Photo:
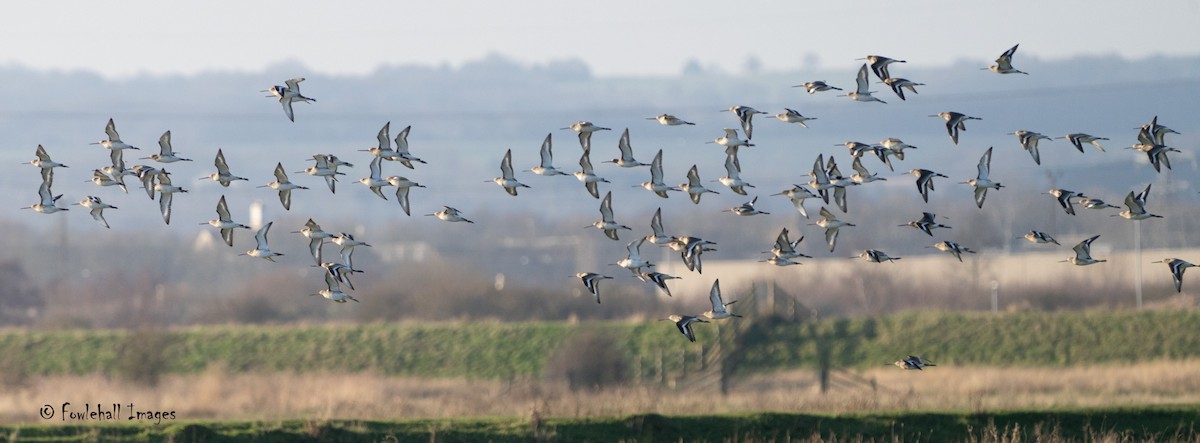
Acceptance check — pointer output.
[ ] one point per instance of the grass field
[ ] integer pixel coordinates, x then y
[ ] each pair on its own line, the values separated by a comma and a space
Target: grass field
1155, 424
515, 350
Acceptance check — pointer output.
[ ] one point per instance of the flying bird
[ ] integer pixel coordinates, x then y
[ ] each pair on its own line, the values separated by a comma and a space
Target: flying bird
816, 86
591, 280
585, 130
96, 208
1177, 267
720, 309
684, 323
284, 186
669, 120
862, 94
262, 250
1004, 63
606, 222
745, 115
224, 223
693, 186
924, 181
222, 176
506, 179
955, 122
656, 184
1083, 253
546, 167
981, 182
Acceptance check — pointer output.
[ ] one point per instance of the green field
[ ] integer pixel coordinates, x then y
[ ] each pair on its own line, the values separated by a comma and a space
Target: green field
1157, 424
507, 350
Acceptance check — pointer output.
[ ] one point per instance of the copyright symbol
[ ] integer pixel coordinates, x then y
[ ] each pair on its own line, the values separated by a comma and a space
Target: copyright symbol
47, 412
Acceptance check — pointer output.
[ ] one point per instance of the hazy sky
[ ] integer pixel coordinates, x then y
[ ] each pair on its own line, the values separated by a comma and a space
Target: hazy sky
619, 37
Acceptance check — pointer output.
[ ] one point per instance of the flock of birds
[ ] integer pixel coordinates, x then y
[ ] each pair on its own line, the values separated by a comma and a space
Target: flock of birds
827, 181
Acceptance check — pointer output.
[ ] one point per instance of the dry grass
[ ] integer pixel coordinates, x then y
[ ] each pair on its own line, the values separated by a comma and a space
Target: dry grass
217, 394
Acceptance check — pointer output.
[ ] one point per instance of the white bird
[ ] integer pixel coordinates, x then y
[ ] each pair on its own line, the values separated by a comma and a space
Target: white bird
46, 197
384, 148
316, 238
1004, 63
348, 243
507, 180
953, 248
324, 167
832, 226
634, 262
403, 185
165, 153
747, 209
730, 139
262, 250
780, 261
793, 116
875, 256
656, 184
1078, 139
924, 181
896, 148
926, 224
591, 280
626, 160
376, 182
44, 162
684, 324
1095, 203
797, 194
669, 120
693, 186
785, 248
1083, 253
546, 167
745, 115
816, 86
585, 130
659, 279
658, 236
113, 142
861, 174
1137, 206
224, 222
333, 291
861, 94
732, 177
1177, 267
720, 309
450, 215
1040, 237
222, 176
981, 182
955, 122
166, 193
587, 175
402, 154
102, 179
606, 222
820, 178
284, 186
96, 207
289, 94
